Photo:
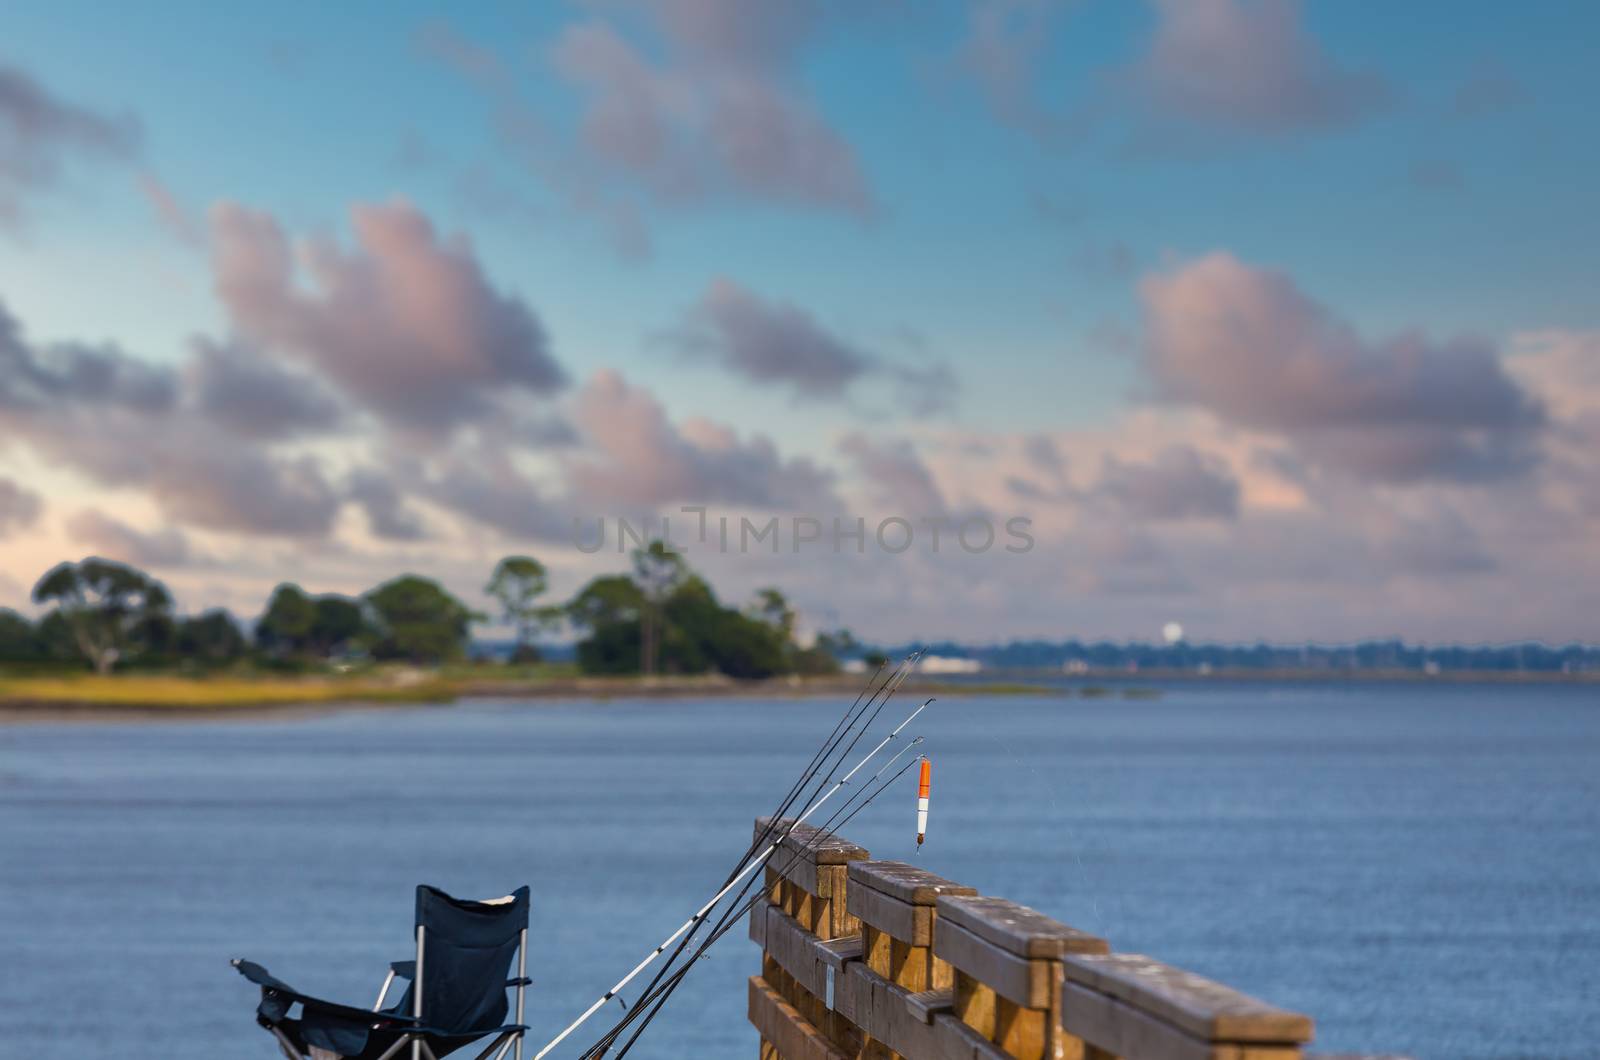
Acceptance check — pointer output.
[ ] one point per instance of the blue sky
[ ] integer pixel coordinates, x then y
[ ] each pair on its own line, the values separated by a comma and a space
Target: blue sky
973, 200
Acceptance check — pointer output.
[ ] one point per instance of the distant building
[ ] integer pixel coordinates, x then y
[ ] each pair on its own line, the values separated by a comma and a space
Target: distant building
948, 664
1075, 666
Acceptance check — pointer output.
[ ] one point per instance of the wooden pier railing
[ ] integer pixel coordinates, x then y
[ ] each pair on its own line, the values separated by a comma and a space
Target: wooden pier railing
879, 960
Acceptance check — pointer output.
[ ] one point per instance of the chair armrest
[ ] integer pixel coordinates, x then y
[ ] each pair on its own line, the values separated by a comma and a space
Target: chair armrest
524, 981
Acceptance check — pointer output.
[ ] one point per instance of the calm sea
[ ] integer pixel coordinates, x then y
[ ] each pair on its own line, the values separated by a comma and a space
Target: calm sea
1416, 866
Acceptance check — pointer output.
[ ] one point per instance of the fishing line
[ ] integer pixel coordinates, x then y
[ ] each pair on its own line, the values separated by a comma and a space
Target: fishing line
750, 867
657, 999
733, 909
845, 724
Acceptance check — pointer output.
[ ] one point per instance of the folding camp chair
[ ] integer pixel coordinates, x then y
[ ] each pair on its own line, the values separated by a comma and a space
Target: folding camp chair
457, 994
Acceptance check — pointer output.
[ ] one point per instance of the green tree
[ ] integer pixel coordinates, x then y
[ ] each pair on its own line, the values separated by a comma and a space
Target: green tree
658, 571
211, 636
607, 600
772, 608
338, 624
418, 620
103, 604
517, 582
285, 628
19, 641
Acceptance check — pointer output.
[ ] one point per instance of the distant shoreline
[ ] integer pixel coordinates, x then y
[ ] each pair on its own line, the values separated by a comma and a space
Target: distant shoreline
145, 698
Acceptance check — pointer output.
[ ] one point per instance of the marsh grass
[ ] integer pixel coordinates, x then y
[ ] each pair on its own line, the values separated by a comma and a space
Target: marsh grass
216, 692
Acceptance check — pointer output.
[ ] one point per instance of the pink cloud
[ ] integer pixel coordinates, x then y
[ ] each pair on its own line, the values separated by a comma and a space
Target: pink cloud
1247, 66
406, 323
1249, 346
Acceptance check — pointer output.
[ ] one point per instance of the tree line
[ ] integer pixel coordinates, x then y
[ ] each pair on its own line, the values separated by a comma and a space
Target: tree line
658, 617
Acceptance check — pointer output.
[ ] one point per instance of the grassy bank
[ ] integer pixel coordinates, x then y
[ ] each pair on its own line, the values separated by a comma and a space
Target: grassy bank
172, 692
51, 693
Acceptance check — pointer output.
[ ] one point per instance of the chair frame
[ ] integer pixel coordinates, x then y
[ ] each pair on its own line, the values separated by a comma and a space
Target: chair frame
417, 1039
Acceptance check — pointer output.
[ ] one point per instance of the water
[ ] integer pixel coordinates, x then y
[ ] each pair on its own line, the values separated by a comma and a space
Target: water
1416, 866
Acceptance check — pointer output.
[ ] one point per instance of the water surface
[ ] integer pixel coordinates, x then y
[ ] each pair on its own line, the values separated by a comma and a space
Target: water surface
1416, 866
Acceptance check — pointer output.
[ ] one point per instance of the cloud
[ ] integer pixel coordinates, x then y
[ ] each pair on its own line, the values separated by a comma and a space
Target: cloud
1002, 49
406, 324
19, 507
1247, 345
124, 423
75, 372
387, 515
1246, 67
39, 133
637, 457
712, 106
770, 342
896, 475
778, 343
246, 394
1180, 483
114, 539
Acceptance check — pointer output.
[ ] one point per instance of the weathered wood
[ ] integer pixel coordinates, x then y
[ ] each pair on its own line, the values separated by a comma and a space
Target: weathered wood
896, 1020
1200, 1006
902, 920
1123, 1030
1026, 982
905, 882
1016, 928
797, 951
781, 1024
957, 1041
757, 924
924, 1004
816, 846
835, 952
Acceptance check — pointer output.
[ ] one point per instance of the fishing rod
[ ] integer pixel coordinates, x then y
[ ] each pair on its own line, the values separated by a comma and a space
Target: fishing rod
734, 911
846, 723
657, 1000
749, 868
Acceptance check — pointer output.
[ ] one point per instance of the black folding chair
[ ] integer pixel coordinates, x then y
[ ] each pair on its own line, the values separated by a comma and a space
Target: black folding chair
457, 994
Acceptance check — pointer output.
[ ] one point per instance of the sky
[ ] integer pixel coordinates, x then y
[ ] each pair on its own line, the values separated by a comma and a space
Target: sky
1274, 319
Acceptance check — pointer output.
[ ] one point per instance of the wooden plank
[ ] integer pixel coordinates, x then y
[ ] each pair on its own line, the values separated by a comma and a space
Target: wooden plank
796, 951
1023, 981
954, 1040
1204, 1008
925, 1003
812, 843
1016, 928
896, 918
1123, 1030
905, 882
836, 952
886, 1012
758, 923
782, 1025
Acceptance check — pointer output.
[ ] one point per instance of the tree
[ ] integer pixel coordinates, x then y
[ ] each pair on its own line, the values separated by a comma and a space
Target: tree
771, 607
211, 636
337, 624
19, 641
517, 582
103, 604
418, 620
657, 570
285, 629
